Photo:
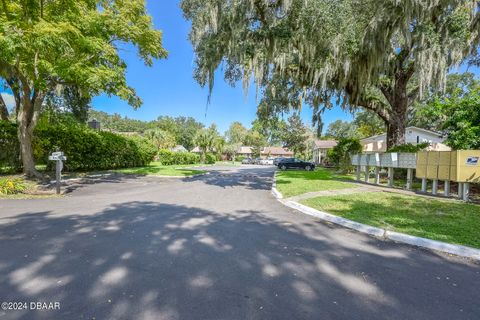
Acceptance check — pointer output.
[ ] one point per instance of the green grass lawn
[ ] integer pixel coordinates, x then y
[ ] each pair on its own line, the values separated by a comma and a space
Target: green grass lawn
443, 220
157, 169
294, 182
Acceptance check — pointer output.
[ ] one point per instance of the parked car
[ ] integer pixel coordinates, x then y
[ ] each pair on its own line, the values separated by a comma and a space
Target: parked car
257, 161
247, 161
277, 160
294, 163
268, 161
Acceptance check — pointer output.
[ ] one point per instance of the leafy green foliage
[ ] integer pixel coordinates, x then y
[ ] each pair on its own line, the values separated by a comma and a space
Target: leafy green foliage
377, 55
46, 45
294, 136
409, 147
160, 138
340, 129
9, 147
87, 149
341, 154
12, 185
167, 157
210, 158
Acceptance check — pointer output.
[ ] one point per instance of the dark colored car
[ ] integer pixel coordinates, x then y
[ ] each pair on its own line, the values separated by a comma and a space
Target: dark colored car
276, 161
294, 163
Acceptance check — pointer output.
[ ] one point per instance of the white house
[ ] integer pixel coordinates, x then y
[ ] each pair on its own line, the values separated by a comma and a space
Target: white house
413, 135
320, 149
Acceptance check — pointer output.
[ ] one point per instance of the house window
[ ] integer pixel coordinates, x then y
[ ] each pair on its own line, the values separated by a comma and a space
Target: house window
418, 139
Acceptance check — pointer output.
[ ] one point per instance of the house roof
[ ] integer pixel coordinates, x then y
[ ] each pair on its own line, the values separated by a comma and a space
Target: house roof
277, 150
406, 129
196, 150
245, 150
179, 148
325, 144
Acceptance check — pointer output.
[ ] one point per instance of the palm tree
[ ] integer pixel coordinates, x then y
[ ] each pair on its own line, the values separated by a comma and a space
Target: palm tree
160, 138
205, 141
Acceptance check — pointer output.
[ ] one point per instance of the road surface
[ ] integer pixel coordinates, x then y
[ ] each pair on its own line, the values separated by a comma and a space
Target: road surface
217, 246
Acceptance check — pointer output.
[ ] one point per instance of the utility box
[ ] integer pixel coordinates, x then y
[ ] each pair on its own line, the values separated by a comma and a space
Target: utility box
374, 160
465, 166
433, 159
444, 161
407, 160
421, 169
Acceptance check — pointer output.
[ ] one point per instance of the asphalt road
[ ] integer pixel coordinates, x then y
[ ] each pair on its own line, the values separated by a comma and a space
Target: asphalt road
213, 247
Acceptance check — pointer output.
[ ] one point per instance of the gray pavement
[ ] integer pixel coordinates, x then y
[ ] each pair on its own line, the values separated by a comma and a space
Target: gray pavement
217, 246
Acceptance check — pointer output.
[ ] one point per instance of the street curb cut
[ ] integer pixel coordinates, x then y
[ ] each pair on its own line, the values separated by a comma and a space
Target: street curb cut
275, 192
458, 250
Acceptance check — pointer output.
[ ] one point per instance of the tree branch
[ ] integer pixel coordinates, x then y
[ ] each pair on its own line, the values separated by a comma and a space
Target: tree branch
3, 109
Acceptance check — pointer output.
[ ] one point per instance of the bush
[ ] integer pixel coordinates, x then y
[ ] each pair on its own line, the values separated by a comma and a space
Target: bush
11, 185
210, 158
167, 157
409, 147
10, 148
341, 154
240, 158
87, 149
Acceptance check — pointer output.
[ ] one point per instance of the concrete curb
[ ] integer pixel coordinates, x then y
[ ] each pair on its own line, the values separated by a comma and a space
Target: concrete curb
458, 250
277, 194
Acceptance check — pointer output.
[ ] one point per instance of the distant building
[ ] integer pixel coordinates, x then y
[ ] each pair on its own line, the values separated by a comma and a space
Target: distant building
245, 151
276, 152
196, 150
320, 149
179, 148
94, 124
413, 135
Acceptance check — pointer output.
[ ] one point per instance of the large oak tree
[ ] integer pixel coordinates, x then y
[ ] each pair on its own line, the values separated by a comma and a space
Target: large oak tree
49, 44
379, 55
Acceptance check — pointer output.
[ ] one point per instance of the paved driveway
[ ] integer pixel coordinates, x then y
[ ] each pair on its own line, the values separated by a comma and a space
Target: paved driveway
213, 247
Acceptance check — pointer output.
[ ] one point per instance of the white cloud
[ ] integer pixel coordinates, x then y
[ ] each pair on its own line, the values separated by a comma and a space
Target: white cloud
9, 100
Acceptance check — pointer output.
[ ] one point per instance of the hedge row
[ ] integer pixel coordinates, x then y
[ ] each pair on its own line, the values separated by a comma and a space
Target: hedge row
9, 147
85, 149
167, 157
88, 149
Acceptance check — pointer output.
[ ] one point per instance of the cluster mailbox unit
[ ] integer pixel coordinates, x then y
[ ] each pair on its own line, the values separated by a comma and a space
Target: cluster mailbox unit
461, 166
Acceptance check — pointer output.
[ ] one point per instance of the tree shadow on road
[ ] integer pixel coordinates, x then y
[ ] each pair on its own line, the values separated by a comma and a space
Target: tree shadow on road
147, 260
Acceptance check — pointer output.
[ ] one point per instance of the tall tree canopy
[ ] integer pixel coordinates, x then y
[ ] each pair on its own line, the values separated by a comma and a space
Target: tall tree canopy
45, 45
376, 54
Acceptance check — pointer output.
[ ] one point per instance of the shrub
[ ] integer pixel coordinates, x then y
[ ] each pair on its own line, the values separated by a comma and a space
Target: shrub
167, 157
11, 185
239, 158
87, 149
341, 154
210, 158
409, 147
9, 148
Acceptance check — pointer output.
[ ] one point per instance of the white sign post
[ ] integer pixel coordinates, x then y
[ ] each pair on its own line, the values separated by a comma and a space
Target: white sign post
58, 157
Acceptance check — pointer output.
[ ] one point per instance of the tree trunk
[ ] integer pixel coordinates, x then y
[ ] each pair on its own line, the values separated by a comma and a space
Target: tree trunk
27, 119
3, 109
398, 99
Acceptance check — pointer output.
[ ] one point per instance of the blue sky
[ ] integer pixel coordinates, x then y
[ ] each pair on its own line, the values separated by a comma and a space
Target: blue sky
168, 88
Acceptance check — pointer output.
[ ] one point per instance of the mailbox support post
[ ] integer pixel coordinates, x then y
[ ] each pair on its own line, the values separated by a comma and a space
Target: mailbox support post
446, 190
409, 178
58, 175
390, 177
377, 175
358, 172
367, 173
435, 187
460, 190
466, 191
424, 184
